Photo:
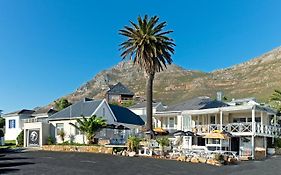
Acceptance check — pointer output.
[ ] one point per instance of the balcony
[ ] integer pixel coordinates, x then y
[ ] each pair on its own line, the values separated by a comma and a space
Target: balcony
240, 129
34, 120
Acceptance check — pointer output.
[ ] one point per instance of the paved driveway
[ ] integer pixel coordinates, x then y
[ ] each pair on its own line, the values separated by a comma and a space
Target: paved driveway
42, 162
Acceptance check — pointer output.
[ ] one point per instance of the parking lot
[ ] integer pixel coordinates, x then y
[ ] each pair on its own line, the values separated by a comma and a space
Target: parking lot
43, 162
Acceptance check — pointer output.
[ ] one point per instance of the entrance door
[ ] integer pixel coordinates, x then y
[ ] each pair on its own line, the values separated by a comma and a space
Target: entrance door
235, 144
33, 139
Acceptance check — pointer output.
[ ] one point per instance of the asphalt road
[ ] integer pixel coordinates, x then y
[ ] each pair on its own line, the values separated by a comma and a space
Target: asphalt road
42, 162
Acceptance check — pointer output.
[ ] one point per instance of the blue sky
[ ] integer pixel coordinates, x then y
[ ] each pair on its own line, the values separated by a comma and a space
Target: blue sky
49, 48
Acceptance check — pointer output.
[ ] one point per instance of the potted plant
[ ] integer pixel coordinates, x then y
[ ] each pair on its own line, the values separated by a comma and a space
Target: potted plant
62, 135
163, 141
133, 145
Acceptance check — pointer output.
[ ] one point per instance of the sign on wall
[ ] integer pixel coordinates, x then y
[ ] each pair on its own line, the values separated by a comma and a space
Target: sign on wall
33, 137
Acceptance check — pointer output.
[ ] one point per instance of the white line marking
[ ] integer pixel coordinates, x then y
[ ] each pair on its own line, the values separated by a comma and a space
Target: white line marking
87, 161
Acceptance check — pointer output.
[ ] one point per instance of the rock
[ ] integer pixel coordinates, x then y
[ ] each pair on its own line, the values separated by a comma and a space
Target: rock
181, 158
194, 160
188, 159
210, 161
217, 163
202, 160
232, 161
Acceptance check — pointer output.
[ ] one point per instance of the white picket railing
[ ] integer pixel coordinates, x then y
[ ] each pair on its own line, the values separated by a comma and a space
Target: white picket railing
236, 128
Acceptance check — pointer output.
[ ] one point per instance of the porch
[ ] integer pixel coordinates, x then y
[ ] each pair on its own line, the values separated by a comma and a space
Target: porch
240, 129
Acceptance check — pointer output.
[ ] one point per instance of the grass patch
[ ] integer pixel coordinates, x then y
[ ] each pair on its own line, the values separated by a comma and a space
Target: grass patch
9, 144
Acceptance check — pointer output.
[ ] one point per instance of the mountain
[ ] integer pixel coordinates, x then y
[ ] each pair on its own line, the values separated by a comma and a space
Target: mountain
257, 77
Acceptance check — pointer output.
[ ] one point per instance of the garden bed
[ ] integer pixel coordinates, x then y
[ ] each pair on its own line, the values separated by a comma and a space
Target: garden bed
75, 148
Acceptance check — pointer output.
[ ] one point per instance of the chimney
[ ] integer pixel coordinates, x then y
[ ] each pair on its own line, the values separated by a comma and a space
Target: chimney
219, 96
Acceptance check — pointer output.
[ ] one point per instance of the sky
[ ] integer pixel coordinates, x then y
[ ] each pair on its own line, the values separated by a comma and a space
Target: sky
50, 48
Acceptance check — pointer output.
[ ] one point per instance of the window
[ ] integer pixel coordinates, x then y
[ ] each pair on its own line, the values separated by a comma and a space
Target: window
59, 127
12, 123
239, 120
77, 131
171, 122
213, 119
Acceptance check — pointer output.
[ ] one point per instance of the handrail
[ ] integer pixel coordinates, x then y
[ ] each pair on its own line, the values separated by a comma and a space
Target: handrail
245, 127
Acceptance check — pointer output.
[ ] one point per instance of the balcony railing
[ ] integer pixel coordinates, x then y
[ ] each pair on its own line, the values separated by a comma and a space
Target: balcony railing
33, 120
239, 128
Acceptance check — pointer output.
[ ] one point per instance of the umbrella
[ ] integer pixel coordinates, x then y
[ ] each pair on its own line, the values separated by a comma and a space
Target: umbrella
215, 135
160, 131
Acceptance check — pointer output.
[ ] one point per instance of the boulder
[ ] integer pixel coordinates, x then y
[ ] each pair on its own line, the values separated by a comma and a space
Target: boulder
181, 158
202, 160
232, 161
210, 161
194, 160
188, 159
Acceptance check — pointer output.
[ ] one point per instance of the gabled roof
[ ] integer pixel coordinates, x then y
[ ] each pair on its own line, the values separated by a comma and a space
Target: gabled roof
124, 115
45, 110
119, 89
143, 105
196, 104
23, 111
85, 107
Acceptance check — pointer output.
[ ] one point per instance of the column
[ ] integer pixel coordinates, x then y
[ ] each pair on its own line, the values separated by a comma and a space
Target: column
253, 131
261, 122
221, 120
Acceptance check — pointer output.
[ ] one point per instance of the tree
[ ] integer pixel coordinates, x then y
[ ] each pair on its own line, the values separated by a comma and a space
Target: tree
275, 100
2, 122
150, 48
61, 104
90, 126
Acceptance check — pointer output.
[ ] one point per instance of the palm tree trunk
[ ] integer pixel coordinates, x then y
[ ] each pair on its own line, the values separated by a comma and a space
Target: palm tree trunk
149, 97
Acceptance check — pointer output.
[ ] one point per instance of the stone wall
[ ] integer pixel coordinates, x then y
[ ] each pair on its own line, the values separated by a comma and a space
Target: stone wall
72, 148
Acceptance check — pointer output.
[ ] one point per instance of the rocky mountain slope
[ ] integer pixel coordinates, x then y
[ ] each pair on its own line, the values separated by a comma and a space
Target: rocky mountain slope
257, 77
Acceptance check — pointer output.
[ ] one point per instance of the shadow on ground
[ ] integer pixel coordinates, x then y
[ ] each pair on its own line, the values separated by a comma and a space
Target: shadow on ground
9, 164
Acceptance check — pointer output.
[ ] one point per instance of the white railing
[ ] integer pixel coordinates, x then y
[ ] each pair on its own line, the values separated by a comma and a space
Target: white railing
239, 128
33, 120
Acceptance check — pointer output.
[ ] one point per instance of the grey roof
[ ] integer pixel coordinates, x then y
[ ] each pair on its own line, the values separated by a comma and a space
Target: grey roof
267, 109
197, 104
143, 105
242, 100
23, 111
119, 89
45, 110
85, 107
124, 115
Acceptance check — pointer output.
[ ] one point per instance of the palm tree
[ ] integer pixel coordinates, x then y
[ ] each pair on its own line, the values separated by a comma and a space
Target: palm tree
276, 99
150, 48
90, 126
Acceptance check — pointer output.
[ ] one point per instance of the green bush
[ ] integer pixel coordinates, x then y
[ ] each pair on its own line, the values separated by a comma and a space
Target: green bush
133, 143
277, 142
50, 141
20, 139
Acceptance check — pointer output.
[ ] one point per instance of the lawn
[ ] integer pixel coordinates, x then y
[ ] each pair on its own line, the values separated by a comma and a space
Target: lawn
9, 144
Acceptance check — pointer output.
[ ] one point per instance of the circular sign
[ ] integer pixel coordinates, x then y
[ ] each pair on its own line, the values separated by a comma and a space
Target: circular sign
33, 136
